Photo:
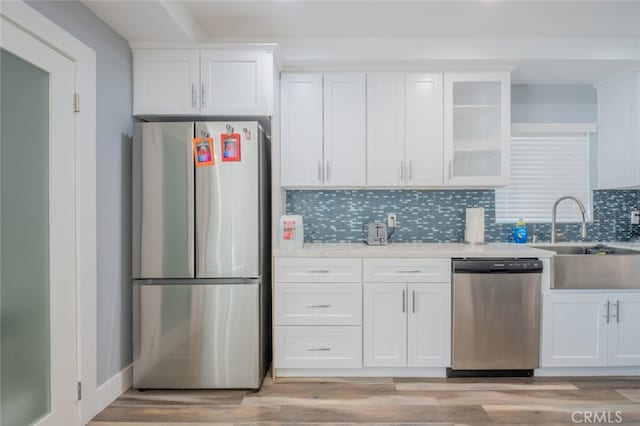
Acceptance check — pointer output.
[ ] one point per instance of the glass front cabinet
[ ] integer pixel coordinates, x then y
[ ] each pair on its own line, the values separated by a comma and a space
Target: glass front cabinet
477, 120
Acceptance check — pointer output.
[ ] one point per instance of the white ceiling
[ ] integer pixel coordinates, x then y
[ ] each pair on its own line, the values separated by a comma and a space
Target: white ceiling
546, 41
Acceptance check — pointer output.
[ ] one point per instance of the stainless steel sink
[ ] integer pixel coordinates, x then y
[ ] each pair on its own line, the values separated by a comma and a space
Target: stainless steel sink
593, 266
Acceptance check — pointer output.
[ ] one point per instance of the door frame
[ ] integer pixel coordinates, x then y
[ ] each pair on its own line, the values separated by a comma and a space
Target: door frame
84, 58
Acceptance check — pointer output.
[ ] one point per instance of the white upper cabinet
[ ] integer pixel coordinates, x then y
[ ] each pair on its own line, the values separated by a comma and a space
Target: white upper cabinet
477, 122
344, 129
619, 132
202, 82
323, 141
424, 158
385, 129
399, 130
236, 83
166, 81
301, 133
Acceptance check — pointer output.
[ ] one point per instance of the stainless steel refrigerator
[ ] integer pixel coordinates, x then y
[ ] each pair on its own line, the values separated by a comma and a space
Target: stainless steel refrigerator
201, 256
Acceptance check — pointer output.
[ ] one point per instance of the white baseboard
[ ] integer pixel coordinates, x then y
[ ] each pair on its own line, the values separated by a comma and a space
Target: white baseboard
587, 371
362, 372
113, 388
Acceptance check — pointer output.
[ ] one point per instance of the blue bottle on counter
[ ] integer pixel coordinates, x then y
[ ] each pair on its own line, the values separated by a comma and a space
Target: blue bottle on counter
520, 232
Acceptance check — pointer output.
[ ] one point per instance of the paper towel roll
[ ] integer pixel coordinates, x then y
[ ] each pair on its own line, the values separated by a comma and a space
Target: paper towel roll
475, 225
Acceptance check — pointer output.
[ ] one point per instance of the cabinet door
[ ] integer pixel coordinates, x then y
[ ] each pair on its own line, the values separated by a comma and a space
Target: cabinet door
429, 325
424, 129
385, 325
236, 83
624, 330
617, 134
301, 139
574, 330
385, 129
344, 129
166, 81
477, 121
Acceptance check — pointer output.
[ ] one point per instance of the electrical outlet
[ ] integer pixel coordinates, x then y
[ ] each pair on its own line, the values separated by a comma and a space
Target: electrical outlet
391, 220
635, 217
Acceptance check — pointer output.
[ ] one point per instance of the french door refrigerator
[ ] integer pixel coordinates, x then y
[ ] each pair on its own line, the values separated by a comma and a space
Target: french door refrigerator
201, 255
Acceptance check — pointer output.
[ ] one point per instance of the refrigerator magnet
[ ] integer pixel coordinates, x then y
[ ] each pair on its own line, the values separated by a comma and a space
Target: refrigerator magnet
203, 151
231, 149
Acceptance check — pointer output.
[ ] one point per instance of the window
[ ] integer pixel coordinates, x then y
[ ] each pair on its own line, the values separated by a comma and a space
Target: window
543, 169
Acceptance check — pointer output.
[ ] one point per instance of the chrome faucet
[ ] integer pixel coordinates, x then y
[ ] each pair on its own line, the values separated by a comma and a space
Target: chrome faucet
583, 211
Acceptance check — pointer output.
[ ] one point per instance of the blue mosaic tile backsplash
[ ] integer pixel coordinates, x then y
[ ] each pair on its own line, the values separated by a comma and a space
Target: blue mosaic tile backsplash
341, 216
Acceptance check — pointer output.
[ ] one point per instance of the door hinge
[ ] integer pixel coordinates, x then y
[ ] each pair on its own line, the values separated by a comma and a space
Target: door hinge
79, 391
76, 102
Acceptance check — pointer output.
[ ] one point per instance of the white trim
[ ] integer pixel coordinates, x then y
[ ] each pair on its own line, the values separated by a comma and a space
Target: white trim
113, 388
86, 245
586, 371
267, 47
522, 129
362, 372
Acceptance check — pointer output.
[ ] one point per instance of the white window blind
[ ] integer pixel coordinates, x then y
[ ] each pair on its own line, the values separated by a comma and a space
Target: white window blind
543, 169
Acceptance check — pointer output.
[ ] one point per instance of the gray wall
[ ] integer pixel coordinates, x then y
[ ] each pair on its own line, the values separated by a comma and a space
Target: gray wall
550, 103
113, 168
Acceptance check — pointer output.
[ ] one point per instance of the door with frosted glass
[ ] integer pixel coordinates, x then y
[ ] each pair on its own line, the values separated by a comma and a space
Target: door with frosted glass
38, 356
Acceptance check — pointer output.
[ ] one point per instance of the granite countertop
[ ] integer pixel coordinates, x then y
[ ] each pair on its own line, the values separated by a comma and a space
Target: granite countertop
414, 250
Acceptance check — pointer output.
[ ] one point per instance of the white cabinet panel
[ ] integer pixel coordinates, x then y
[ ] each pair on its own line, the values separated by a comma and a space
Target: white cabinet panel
236, 83
424, 151
166, 81
407, 270
318, 304
385, 325
318, 270
318, 347
574, 330
624, 330
429, 325
385, 129
301, 138
344, 129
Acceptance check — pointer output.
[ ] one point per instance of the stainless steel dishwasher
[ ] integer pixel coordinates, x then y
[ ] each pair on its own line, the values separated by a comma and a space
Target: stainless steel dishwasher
496, 317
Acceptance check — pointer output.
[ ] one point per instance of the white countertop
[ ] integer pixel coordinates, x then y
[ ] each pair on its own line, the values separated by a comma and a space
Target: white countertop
414, 250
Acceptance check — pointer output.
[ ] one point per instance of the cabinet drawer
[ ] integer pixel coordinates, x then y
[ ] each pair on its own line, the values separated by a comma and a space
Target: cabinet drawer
324, 270
407, 270
318, 304
318, 347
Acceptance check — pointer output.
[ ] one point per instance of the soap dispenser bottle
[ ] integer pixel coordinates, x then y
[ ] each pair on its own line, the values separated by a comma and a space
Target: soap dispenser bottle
520, 232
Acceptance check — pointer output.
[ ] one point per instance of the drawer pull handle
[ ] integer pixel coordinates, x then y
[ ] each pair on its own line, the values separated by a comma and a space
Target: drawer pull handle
318, 306
412, 271
316, 348
319, 271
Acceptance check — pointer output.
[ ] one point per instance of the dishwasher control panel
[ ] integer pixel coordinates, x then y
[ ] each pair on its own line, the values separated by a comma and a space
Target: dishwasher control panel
488, 266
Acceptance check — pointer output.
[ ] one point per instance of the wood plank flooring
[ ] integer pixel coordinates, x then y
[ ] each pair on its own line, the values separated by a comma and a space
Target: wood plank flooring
399, 401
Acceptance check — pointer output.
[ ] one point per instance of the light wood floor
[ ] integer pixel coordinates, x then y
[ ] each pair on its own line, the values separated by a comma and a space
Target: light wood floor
540, 401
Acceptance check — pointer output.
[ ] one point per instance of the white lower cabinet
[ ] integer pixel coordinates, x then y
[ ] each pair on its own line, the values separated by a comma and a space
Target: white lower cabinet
318, 313
624, 330
318, 347
385, 325
591, 330
429, 325
407, 325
